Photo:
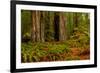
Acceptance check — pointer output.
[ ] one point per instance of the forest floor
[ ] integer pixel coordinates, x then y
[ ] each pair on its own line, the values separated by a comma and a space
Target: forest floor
83, 54
40, 52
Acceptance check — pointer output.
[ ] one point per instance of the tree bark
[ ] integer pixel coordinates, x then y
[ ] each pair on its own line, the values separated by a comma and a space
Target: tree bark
37, 26
62, 27
33, 26
42, 25
56, 26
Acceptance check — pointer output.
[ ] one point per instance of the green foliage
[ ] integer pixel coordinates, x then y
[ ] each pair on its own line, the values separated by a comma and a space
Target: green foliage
72, 58
57, 49
80, 37
70, 23
26, 22
79, 40
32, 52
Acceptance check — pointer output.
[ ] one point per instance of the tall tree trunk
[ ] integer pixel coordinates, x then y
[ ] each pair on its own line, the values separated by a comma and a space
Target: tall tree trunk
62, 27
76, 19
71, 23
47, 26
38, 26
56, 26
42, 25
51, 21
33, 26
